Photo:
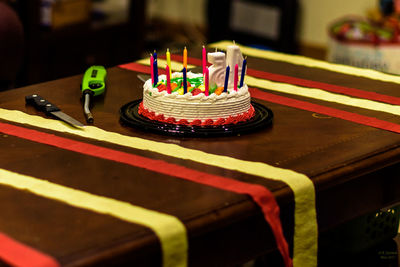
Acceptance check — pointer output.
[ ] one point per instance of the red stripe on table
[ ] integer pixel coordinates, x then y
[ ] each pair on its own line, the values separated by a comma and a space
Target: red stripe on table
15, 253
262, 196
286, 101
337, 113
308, 83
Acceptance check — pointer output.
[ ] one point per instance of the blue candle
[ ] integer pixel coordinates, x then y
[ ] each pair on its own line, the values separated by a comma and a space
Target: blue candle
226, 79
155, 55
155, 68
184, 81
243, 73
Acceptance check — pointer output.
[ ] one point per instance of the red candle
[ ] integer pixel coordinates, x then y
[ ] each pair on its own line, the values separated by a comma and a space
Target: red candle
206, 81
236, 77
204, 59
152, 68
168, 80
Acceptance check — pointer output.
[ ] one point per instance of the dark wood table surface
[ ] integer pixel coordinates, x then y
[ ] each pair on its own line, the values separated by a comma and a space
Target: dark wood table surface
355, 170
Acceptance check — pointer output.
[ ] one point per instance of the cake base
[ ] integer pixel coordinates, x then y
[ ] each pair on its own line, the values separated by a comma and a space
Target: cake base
231, 120
130, 116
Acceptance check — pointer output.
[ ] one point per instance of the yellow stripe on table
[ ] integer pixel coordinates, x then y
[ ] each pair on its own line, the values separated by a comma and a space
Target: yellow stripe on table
305, 230
170, 231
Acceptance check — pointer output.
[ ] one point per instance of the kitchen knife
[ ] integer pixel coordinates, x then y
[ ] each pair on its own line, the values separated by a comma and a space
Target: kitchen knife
43, 105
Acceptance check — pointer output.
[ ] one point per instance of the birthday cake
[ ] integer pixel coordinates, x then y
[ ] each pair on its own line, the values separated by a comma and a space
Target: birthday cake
207, 99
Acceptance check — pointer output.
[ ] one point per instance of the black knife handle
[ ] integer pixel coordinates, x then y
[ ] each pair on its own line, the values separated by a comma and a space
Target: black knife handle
40, 103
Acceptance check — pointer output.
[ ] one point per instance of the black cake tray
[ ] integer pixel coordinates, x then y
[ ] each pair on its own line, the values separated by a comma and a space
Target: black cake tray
129, 116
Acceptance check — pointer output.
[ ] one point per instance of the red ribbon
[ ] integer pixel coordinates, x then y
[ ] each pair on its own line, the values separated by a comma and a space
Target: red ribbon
337, 113
17, 254
261, 195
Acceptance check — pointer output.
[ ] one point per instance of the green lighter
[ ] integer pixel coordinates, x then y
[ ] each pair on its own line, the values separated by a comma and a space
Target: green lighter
93, 84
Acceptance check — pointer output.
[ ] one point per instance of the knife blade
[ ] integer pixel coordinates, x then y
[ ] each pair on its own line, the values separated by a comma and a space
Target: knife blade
43, 105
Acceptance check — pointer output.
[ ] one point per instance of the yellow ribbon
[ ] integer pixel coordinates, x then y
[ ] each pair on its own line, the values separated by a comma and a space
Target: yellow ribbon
305, 229
309, 62
170, 231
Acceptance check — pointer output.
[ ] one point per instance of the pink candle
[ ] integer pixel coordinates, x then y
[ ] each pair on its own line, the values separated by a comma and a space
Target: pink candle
152, 68
168, 80
236, 77
206, 81
204, 59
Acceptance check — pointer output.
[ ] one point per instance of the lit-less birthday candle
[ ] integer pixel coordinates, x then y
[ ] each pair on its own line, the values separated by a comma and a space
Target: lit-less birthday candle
185, 58
152, 68
184, 81
155, 72
206, 82
236, 77
204, 59
155, 55
167, 69
226, 79
168, 55
243, 73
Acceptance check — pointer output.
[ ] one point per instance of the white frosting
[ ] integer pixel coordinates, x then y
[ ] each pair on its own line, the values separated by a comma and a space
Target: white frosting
233, 57
217, 69
191, 107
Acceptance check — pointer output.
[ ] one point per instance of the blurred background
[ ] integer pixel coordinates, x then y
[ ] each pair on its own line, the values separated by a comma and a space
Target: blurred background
59, 38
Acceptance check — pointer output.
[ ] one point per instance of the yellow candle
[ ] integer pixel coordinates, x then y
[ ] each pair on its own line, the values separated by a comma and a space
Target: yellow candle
185, 58
168, 55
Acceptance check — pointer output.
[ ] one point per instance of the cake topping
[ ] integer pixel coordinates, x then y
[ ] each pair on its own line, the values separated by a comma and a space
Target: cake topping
224, 72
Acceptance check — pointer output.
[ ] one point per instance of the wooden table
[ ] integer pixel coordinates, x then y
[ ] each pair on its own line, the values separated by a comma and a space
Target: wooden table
354, 168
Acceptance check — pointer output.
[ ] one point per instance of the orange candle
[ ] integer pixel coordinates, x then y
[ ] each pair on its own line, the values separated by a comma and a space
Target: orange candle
185, 58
